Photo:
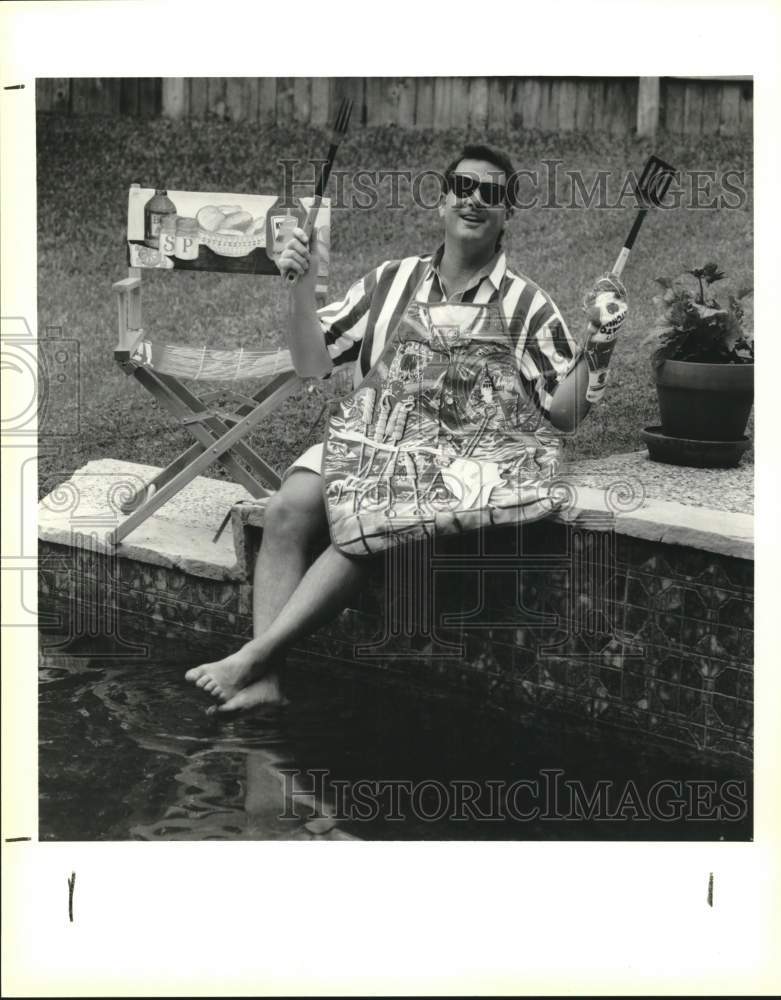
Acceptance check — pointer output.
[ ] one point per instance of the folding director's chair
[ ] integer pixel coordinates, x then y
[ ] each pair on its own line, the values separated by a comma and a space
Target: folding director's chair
246, 240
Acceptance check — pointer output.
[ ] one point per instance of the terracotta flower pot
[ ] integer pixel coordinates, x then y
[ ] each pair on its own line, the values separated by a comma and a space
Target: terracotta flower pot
704, 402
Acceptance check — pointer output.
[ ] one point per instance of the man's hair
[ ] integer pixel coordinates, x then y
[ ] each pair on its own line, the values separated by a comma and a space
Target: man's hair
478, 151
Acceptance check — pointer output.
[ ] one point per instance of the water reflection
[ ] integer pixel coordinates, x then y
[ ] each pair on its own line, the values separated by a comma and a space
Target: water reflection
221, 779
128, 752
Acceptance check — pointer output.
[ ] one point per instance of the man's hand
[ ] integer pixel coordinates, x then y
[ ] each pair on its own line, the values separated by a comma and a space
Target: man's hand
301, 259
605, 307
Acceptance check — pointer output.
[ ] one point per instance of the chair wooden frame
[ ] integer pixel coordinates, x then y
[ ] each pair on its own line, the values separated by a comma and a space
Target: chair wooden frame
218, 435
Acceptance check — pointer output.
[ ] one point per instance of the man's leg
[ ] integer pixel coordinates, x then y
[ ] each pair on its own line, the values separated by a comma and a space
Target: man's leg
240, 680
294, 521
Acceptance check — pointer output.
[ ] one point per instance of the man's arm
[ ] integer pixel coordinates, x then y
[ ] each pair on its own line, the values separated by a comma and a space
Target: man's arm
305, 332
585, 382
569, 404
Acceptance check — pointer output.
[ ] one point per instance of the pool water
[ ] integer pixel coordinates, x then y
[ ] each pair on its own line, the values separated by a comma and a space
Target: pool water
127, 752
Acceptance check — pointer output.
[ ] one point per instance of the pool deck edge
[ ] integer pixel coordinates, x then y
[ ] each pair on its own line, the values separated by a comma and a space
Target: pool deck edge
182, 534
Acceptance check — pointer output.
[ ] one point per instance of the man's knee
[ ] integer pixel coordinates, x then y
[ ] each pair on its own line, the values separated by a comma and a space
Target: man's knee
293, 517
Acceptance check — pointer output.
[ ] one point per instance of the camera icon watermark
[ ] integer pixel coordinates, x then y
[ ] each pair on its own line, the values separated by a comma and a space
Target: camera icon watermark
40, 404
41, 381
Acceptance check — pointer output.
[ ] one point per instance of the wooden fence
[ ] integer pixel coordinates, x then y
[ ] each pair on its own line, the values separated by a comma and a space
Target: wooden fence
618, 105
100, 95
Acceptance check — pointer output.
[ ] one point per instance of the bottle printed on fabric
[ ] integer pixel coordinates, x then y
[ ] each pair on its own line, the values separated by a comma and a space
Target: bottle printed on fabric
279, 224
155, 211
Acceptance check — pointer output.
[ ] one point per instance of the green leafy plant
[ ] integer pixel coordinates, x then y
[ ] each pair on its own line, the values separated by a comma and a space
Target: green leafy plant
694, 326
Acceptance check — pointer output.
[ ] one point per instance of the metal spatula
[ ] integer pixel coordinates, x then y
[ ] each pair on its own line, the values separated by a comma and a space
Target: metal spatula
651, 188
341, 123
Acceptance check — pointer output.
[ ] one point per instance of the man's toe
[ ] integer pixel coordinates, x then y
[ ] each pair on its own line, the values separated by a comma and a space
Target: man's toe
230, 704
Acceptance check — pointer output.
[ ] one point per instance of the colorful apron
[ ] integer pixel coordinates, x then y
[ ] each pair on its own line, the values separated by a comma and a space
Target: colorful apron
439, 438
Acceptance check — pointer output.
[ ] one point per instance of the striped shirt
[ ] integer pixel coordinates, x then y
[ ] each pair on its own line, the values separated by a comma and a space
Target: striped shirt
356, 328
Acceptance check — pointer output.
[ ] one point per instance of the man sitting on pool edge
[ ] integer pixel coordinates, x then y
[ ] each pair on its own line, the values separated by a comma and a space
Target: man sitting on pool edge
296, 591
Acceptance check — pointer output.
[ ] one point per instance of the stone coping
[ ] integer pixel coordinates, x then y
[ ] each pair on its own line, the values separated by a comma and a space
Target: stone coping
180, 535
716, 489
710, 509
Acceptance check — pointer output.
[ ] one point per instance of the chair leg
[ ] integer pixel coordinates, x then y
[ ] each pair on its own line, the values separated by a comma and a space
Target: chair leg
161, 478
209, 455
205, 433
257, 465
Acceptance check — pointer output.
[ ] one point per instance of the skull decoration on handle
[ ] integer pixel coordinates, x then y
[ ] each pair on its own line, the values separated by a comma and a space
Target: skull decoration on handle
605, 307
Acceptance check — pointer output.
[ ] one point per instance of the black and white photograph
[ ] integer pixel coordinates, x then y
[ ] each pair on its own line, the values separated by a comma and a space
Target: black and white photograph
490, 486
395, 449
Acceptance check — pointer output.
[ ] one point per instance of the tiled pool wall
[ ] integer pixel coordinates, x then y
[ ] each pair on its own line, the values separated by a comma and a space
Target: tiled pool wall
561, 618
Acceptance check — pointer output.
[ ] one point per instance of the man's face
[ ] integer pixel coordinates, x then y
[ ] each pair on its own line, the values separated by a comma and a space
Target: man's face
469, 221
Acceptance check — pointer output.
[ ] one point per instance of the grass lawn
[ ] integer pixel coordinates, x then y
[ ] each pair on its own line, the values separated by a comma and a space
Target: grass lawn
85, 165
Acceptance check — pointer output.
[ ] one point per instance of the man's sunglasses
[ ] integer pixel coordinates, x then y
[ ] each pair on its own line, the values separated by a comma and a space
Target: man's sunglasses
464, 186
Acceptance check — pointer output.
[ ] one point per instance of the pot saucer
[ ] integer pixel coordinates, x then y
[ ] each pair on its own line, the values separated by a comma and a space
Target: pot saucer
687, 451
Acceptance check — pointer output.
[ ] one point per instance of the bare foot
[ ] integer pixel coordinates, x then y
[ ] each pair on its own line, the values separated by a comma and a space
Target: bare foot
266, 691
224, 679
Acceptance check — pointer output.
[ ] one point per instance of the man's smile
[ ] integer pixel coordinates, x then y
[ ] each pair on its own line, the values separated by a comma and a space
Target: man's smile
472, 218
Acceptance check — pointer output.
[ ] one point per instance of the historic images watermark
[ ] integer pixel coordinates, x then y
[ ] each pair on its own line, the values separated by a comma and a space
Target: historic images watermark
564, 595
550, 186
549, 796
